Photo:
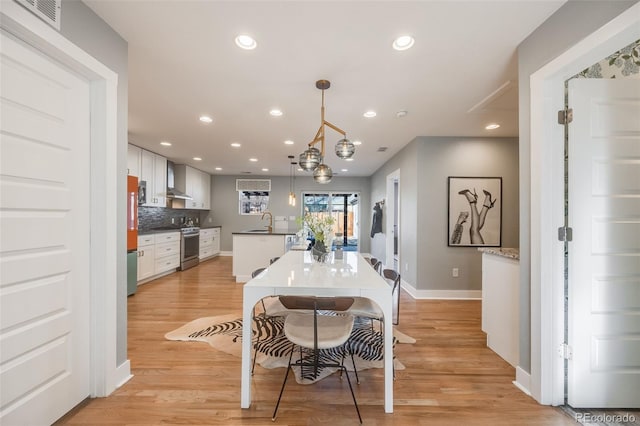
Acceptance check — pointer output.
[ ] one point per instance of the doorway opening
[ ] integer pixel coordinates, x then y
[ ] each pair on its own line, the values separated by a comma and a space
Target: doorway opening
344, 208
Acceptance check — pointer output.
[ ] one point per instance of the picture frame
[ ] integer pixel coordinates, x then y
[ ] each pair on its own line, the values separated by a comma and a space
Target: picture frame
474, 211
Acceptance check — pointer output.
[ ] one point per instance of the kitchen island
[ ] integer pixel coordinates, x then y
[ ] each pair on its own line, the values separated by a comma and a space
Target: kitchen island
254, 249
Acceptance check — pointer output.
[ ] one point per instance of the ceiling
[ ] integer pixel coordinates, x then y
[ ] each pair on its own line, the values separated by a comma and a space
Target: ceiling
460, 75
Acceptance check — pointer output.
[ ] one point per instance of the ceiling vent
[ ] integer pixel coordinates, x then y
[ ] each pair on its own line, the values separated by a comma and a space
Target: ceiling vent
253, 184
47, 10
382, 149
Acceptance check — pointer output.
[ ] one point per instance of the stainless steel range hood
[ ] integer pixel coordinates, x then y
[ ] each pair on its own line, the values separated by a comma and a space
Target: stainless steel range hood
172, 192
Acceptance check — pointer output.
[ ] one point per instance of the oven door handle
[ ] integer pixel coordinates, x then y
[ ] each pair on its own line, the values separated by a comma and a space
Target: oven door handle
190, 235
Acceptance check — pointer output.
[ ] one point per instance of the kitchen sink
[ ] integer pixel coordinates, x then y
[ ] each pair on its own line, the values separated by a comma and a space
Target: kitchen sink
258, 231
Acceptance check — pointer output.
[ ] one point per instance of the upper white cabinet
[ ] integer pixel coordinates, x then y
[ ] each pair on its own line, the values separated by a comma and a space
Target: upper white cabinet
153, 170
134, 155
195, 183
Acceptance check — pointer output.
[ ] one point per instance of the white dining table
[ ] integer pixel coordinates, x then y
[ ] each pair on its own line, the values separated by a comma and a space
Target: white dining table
296, 273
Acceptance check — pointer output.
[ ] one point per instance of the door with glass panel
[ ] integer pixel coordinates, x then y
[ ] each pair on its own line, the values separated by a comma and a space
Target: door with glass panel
344, 208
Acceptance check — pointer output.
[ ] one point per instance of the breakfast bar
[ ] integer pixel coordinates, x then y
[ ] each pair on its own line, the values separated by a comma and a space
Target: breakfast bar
297, 273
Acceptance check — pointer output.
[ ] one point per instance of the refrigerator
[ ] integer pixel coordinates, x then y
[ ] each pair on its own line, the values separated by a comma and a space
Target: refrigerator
132, 234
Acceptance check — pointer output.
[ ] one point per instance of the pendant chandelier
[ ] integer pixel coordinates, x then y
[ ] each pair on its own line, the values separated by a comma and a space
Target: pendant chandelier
292, 181
313, 158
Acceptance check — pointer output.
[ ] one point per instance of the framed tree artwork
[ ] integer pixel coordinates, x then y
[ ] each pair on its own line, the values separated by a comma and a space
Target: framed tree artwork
475, 211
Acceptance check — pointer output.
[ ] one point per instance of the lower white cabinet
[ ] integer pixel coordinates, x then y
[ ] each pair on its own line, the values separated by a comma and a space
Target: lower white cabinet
157, 254
209, 243
146, 256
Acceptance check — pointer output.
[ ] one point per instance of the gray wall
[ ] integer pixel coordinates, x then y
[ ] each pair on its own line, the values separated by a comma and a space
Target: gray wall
570, 24
455, 156
425, 164
84, 28
224, 203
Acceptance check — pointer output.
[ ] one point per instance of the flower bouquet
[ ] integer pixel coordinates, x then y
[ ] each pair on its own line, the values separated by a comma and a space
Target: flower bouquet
322, 229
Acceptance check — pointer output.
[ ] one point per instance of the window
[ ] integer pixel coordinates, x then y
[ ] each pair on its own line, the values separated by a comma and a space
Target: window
343, 207
253, 202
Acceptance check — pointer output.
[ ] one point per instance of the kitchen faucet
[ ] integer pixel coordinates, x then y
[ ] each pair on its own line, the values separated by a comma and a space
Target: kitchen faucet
270, 227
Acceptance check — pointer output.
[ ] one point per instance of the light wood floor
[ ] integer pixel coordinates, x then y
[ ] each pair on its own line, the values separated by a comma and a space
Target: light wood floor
451, 377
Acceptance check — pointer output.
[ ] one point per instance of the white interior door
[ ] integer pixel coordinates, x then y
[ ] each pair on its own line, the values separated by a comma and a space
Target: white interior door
604, 256
44, 224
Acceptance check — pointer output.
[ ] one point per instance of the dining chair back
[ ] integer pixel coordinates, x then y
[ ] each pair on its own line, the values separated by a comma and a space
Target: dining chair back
315, 332
377, 264
393, 279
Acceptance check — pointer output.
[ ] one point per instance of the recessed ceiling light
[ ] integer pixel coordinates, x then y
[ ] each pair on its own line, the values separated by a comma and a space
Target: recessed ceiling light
344, 170
492, 126
165, 143
197, 158
401, 113
349, 159
276, 112
246, 42
357, 143
370, 114
403, 42
288, 142
206, 119
218, 168
236, 145
253, 160
265, 170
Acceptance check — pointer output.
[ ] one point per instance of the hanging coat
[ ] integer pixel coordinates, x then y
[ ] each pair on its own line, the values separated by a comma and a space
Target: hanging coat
376, 225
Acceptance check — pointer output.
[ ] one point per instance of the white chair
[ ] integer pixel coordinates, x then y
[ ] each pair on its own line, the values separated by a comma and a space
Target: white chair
365, 308
271, 309
316, 332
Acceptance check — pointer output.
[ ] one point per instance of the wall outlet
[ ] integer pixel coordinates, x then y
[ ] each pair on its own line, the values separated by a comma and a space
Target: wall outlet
210, 219
173, 220
454, 272
406, 266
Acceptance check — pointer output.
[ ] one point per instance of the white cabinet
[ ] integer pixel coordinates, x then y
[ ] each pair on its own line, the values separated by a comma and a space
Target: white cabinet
209, 243
195, 183
500, 305
167, 251
134, 156
153, 171
157, 254
216, 241
253, 251
146, 256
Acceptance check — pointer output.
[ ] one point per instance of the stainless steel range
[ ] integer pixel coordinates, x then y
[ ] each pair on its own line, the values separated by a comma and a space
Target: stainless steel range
189, 247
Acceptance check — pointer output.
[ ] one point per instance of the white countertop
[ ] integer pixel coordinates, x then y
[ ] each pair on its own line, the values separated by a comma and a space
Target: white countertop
511, 253
298, 269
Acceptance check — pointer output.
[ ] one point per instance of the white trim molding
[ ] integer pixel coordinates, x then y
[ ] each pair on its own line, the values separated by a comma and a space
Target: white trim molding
441, 294
523, 380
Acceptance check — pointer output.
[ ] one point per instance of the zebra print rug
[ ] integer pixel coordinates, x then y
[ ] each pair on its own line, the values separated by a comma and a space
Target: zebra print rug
224, 333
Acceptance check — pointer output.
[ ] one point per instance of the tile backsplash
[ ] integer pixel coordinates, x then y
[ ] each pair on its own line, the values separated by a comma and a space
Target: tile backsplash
157, 217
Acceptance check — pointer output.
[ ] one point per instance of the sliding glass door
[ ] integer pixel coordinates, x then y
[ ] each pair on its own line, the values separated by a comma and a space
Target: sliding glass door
345, 210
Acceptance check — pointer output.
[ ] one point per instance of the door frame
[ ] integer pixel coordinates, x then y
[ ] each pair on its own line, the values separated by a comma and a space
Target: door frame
391, 208
105, 375
547, 198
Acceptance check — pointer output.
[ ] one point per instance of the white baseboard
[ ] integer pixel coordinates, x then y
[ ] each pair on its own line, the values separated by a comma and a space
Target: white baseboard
442, 294
123, 373
226, 253
523, 380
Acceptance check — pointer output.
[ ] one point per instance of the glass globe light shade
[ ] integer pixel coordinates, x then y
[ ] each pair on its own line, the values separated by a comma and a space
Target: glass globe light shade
310, 159
322, 174
345, 148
